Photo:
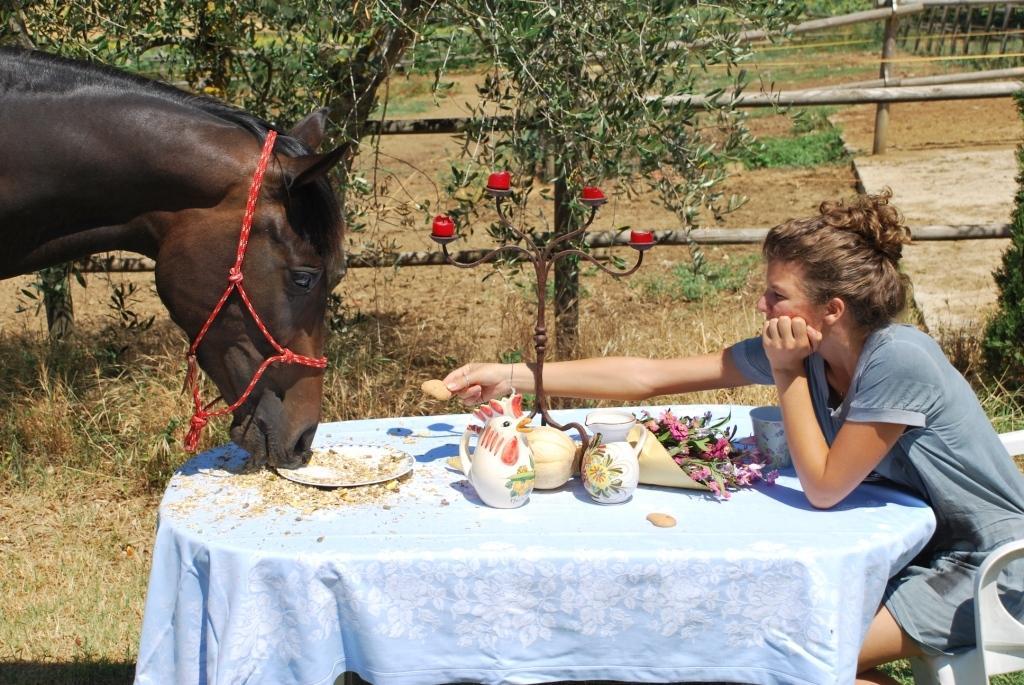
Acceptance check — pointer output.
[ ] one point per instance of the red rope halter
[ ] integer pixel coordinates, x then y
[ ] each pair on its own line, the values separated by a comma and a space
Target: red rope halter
202, 413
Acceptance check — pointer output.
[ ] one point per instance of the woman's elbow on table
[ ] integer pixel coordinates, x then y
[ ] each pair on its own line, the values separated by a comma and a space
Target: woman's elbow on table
824, 500
824, 488
821, 490
826, 492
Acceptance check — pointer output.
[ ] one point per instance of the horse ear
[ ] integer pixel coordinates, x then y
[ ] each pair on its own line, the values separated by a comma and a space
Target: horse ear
311, 129
302, 170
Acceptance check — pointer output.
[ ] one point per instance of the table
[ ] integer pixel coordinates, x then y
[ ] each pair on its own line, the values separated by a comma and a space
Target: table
432, 587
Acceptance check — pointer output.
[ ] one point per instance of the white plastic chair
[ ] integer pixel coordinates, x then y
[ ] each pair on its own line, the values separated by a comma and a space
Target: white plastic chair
1000, 636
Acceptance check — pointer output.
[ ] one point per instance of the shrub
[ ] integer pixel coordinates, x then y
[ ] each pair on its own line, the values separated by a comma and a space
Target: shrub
808, 150
1004, 337
698, 281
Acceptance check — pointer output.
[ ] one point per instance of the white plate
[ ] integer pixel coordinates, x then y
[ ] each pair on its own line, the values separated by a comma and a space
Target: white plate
346, 466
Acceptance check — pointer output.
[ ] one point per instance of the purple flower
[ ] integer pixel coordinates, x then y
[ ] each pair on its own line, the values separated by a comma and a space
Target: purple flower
745, 477
720, 450
679, 431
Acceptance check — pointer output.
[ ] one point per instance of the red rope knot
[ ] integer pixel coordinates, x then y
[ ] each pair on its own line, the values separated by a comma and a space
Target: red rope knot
196, 426
234, 275
287, 356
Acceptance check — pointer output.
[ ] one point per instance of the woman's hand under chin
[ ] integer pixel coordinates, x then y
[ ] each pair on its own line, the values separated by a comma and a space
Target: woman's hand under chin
788, 341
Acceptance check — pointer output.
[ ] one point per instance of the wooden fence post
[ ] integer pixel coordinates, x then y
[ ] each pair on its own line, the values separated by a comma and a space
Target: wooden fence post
1007, 11
882, 108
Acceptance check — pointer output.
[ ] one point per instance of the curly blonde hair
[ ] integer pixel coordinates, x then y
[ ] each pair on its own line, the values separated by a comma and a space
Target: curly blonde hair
851, 250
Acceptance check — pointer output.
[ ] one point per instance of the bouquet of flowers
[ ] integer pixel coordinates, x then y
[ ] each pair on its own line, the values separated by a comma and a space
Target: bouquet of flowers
704, 450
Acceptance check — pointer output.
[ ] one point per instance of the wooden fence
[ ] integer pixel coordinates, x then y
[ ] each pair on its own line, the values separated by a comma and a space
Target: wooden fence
964, 29
598, 239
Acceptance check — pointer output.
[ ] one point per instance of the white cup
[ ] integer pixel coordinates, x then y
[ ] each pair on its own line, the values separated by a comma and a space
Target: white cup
770, 435
613, 425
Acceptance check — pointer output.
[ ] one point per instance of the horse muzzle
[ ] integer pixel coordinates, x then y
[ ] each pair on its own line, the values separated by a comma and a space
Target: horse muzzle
264, 432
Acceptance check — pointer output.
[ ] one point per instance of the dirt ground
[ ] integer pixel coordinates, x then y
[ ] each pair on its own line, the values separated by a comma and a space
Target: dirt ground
948, 162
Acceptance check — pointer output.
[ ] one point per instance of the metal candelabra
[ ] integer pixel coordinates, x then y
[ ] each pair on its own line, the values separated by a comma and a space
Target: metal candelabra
543, 258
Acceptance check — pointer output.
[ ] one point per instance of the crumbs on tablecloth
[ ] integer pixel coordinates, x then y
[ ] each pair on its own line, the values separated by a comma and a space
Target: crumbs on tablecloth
249, 494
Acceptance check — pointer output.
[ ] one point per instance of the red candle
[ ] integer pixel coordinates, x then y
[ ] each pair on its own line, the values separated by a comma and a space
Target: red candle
443, 226
641, 237
593, 193
499, 180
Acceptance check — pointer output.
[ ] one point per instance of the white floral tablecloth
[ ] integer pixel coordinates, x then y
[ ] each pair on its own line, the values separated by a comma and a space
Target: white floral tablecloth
431, 586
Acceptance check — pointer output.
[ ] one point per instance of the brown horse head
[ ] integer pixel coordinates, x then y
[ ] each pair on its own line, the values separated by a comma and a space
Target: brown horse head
290, 265
97, 159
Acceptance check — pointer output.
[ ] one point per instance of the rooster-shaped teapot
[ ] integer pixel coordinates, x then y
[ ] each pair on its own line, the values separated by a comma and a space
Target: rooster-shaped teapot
501, 467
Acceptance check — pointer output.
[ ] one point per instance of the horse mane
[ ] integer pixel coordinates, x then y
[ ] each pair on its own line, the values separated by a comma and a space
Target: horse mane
313, 209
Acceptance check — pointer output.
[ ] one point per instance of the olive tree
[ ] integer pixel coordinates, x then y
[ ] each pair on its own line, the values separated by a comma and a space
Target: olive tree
577, 93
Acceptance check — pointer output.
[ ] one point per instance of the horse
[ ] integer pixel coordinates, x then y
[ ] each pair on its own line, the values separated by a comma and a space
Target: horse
96, 159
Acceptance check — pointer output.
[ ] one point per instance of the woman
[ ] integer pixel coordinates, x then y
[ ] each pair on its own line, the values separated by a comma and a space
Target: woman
858, 393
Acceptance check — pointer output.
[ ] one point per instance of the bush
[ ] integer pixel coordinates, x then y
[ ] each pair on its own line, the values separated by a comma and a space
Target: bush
1004, 337
808, 150
698, 281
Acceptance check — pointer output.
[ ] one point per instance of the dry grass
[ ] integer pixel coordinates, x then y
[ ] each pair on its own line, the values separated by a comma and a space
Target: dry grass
91, 431
490, 320
106, 403
75, 566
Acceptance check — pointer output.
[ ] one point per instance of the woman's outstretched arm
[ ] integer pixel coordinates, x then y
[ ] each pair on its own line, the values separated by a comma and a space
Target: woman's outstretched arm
605, 378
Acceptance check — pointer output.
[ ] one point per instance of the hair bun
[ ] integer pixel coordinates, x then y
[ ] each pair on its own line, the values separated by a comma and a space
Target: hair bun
871, 217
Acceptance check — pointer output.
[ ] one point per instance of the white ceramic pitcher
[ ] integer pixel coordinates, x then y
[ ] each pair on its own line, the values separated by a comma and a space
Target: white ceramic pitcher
610, 471
501, 467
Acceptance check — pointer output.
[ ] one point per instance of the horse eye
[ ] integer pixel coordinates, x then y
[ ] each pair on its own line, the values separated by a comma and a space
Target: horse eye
305, 279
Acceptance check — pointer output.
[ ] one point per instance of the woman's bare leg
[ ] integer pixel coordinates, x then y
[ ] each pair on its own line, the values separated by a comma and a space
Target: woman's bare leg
885, 642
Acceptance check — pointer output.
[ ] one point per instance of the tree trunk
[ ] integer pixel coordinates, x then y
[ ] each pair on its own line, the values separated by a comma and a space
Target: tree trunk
567, 282
359, 79
55, 283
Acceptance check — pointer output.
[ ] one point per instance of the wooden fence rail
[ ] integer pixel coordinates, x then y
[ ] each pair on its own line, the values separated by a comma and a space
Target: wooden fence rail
117, 263
837, 95
1011, 74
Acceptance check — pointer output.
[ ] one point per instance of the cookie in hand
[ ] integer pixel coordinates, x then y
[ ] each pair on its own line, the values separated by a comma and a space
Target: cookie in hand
436, 389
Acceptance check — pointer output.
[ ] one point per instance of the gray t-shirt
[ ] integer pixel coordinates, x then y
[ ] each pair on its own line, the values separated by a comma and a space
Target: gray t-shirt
949, 455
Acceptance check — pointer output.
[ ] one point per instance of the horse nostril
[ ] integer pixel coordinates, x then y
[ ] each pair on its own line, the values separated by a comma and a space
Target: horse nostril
302, 445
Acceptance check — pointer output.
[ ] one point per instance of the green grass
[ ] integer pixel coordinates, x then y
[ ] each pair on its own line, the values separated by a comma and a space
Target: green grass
816, 148
900, 670
700, 280
812, 141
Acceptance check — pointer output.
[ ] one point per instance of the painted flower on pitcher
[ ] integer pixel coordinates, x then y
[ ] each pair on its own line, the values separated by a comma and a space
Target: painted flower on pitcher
521, 484
603, 477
